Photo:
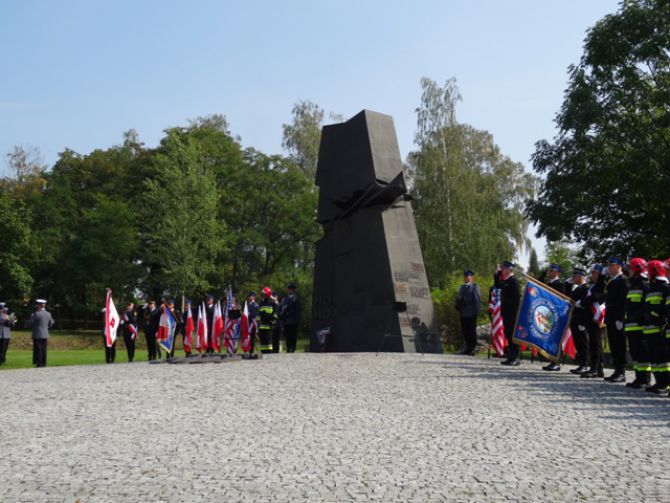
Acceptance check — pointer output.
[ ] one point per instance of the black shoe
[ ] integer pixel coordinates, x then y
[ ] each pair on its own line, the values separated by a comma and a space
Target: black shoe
552, 367
617, 376
579, 370
514, 362
637, 384
657, 390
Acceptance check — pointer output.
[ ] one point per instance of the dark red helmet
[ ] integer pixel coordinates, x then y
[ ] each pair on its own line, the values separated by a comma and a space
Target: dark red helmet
638, 265
267, 291
656, 269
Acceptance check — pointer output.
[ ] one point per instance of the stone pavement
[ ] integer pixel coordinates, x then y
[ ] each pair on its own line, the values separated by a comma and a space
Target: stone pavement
313, 427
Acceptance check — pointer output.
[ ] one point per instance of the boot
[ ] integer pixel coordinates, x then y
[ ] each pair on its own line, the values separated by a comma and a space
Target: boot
552, 367
662, 381
579, 370
642, 379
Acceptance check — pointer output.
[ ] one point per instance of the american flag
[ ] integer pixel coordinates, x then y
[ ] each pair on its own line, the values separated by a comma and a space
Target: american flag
231, 326
498, 340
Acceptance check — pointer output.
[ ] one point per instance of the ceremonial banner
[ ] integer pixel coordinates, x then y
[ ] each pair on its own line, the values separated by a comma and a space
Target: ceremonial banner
166, 330
245, 332
111, 320
543, 319
189, 328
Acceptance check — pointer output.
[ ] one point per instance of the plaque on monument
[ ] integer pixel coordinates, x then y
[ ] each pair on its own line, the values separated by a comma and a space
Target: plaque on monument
370, 285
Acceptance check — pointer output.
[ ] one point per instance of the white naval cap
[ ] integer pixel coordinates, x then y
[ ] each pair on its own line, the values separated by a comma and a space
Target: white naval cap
40, 301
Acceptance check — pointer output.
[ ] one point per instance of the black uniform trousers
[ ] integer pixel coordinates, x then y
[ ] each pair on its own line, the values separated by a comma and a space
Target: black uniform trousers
595, 335
617, 341
659, 347
581, 338
469, 330
40, 352
4, 344
110, 353
152, 346
509, 320
291, 335
637, 345
130, 345
276, 332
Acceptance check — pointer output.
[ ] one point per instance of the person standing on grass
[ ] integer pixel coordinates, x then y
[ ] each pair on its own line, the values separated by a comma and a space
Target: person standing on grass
7, 322
40, 322
129, 324
468, 304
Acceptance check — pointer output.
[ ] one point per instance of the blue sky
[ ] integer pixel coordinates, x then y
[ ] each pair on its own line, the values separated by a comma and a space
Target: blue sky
78, 73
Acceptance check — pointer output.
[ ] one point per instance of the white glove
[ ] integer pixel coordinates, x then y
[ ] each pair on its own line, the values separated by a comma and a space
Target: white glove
578, 303
581, 327
619, 325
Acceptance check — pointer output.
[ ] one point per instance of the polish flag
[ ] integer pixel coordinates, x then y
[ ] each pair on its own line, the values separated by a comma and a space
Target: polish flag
245, 333
568, 345
188, 330
111, 320
217, 327
201, 344
598, 311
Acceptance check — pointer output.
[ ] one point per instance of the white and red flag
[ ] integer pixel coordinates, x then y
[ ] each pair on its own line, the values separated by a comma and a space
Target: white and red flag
189, 328
245, 332
568, 344
217, 328
498, 339
111, 320
201, 344
598, 311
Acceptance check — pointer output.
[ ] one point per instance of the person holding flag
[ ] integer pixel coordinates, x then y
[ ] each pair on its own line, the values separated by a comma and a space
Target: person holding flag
554, 281
594, 303
110, 328
167, 327
208, 316
252, 309
232, 323
509, 305
581, 317
129, 324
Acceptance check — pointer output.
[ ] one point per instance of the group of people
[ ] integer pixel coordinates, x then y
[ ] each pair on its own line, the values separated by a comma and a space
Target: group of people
270, 318
636, 298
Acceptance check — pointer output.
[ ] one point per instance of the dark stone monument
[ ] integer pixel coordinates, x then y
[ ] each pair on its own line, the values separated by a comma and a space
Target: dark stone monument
370, 285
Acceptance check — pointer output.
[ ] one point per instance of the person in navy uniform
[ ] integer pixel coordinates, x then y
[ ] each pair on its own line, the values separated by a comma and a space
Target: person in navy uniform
553, 280
595, 295
468, 304
152, 317
129, 326
509, 306
7, 322
289, 314
40, 322
209, 319
581, 317
616, 292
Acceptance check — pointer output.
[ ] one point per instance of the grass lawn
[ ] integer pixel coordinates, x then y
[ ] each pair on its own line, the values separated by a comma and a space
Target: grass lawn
80, 348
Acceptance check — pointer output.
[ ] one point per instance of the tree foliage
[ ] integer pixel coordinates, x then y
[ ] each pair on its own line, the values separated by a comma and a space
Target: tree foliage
607, 171
469, 196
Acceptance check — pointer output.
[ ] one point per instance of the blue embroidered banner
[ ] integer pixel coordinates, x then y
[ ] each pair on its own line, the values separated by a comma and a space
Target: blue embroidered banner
543, 320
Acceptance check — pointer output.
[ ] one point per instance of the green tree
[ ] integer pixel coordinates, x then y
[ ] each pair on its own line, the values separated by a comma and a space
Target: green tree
562, 254
17, 250
533, 264
181, 234
469, 197
605, 175
302, 137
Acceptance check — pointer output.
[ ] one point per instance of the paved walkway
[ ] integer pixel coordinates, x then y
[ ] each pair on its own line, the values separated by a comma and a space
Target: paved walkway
315, 427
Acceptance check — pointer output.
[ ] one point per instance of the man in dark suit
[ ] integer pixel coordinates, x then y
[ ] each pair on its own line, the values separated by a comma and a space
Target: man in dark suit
616, 292
509, 307
468, 304
40, 322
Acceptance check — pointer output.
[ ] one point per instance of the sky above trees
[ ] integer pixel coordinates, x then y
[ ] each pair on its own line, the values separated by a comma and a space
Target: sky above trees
77, 74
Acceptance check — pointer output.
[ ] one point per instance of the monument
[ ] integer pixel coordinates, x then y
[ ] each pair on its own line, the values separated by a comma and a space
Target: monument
370, 287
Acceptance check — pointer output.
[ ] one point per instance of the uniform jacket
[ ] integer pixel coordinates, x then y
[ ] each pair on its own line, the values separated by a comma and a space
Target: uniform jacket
289, 311
267, 313
634, 306
615, 299
40, 322
581, 314
656, 307
469, 300
5, 327
509, 295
